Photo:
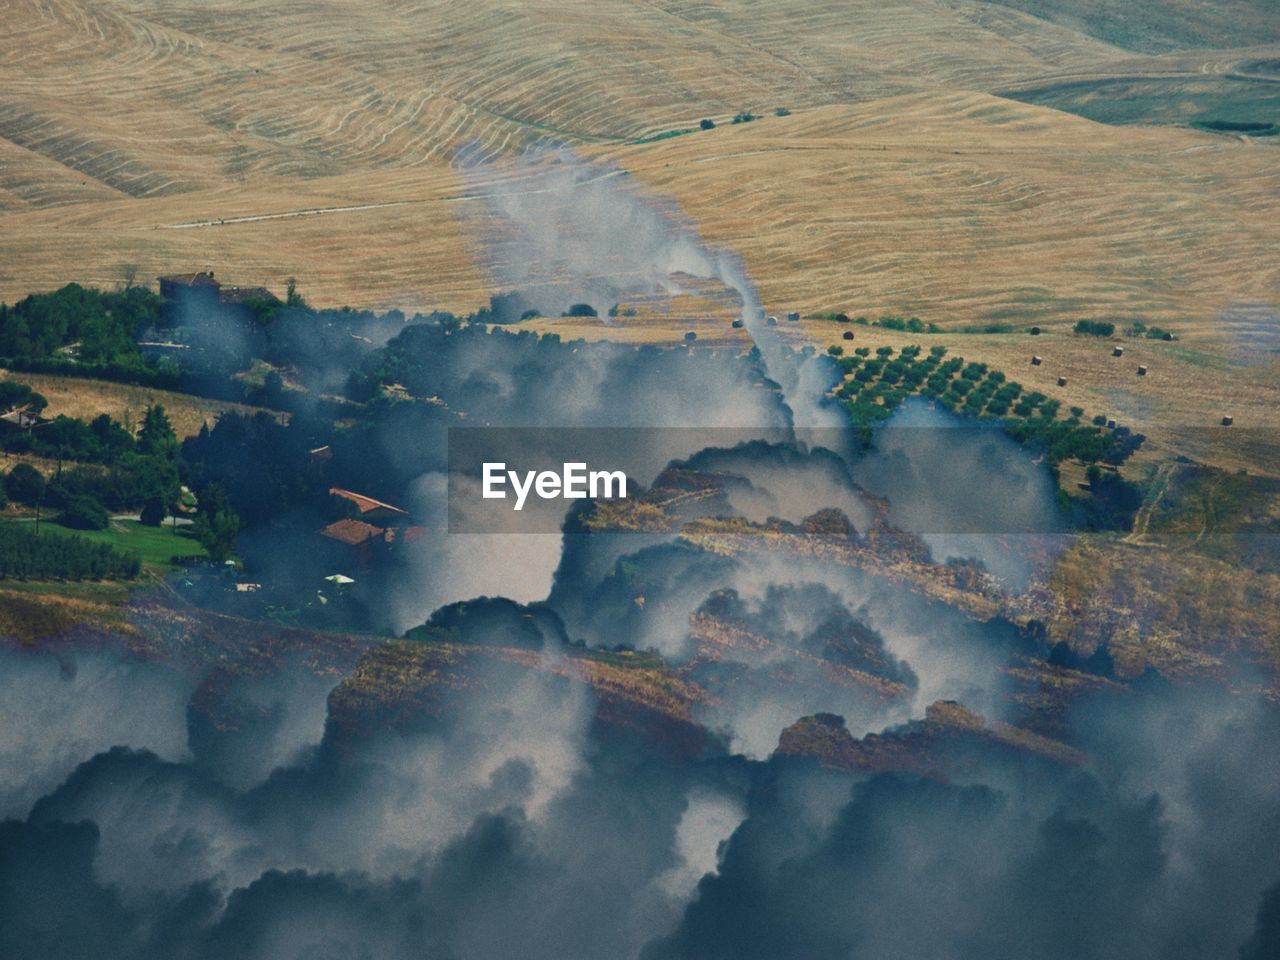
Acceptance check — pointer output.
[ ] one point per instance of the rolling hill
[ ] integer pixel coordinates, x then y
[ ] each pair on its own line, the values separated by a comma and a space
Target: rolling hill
318, 140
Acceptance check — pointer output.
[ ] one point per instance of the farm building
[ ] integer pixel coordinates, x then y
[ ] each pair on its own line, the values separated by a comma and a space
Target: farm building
181, 285
242, 295
372, 528
362, 539
368, 508
203, 286
366, 540
22, 420
352, 532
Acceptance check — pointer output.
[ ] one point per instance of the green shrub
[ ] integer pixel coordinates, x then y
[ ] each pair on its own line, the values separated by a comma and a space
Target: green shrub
1094, 328
84, 513
25, 484
153, 512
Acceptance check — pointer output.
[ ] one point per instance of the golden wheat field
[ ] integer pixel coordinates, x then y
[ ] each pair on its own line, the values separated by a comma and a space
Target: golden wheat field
320, 140
85, 399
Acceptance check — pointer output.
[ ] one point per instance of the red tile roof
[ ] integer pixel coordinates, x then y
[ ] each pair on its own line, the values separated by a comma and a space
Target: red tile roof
365, 504
352, 532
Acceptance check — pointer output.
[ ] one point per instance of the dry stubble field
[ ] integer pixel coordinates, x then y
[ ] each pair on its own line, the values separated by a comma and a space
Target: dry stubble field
318, 140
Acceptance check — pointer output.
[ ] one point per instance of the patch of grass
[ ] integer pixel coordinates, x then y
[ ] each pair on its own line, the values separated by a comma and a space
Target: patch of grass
666, 135
155, 546
636, 659
1216, 104
33, 611
1253, 128
988, 328
1198, 358
85, 399
93, 591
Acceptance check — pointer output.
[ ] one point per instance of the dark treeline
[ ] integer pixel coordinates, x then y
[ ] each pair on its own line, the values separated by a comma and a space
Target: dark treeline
23, 555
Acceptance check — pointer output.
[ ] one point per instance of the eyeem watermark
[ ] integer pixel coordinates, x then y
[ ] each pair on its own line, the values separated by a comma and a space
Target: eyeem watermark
573, 482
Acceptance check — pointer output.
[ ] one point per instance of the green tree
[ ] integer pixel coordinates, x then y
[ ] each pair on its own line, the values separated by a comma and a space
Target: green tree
24, 484
156, 435
292, 298
14, 395
113, 439
153, 512
84, 513
217, 524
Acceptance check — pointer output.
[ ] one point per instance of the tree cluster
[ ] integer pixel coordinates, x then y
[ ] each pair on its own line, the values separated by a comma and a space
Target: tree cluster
24, 555
97, 326
101, 466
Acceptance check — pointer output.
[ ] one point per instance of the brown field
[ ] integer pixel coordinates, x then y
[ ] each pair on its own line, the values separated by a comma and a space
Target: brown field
85, 399
317, 140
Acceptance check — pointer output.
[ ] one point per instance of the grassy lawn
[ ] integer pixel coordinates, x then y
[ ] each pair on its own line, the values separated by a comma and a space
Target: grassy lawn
153, 545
